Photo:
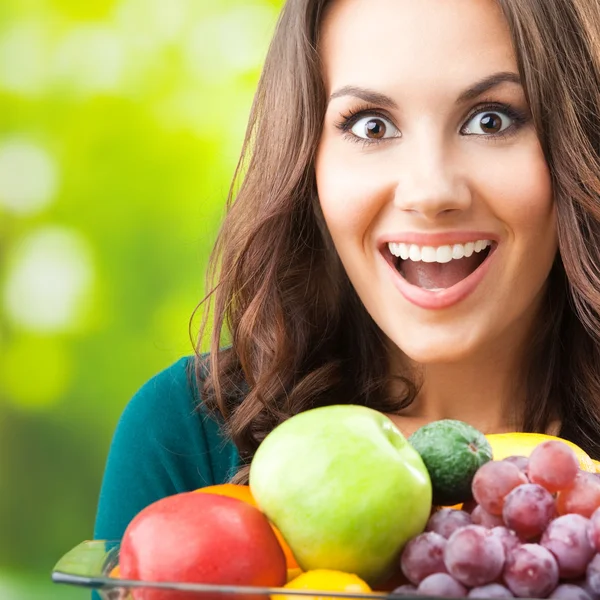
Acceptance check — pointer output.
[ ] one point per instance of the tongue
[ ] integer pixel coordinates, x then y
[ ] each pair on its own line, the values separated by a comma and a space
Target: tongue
437, 275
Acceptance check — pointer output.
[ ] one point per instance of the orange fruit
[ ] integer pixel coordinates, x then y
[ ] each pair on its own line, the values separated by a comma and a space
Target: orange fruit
243, 493
115, 572
325, 580
293, 573
507, 444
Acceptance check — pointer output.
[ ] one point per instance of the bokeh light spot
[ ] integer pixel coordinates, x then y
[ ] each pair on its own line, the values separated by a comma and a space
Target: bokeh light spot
24, 49
28, 177
35, 372
90, 59
230, 43
148, 22
49, 281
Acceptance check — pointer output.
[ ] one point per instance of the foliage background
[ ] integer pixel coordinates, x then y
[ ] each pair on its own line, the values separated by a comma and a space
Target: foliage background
120, 126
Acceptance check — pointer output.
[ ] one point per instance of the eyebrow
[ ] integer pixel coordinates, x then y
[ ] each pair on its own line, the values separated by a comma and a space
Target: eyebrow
472, 92
364, 94
486, 84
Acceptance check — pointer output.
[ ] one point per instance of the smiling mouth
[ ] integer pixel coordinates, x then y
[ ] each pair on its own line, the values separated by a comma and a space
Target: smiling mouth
438, 268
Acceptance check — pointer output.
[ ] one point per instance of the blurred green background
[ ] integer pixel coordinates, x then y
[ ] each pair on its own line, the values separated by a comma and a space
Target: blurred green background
120, 125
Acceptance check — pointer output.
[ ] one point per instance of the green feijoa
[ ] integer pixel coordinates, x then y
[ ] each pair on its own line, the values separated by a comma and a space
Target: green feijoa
452, 452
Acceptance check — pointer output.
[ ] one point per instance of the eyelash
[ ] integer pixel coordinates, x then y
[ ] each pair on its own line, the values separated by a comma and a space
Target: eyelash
349, 119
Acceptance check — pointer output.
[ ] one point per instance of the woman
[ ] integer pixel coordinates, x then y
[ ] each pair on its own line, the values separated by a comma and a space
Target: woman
416, 229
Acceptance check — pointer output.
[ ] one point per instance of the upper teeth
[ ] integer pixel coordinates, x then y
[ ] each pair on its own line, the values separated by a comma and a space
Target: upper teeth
440, 254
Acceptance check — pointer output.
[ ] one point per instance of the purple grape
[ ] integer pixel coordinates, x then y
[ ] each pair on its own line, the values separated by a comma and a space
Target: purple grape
528, 509
473, 556
405, 590
491, 590
531, 571
582, 497
422, 556
521, 462
480, 516
583, 584
509, 538
493, 482
441, 584
447, 520
594, 531
567, 538
553, 465
593, 575
569, 591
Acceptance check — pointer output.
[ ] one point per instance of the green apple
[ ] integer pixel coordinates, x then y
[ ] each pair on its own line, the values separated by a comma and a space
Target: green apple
344, 487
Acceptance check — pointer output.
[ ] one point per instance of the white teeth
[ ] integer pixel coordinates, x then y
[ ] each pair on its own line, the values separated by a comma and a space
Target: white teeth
443, 254
458, 251
428, 254
440, 254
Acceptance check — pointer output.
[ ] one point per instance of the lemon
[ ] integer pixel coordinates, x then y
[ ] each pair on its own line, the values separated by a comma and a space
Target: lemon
522, 444
325, 580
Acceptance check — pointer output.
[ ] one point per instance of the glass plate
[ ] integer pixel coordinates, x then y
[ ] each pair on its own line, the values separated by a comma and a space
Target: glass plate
89, 563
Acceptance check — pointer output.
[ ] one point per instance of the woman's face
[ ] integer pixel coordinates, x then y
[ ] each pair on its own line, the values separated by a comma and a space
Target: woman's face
430, 175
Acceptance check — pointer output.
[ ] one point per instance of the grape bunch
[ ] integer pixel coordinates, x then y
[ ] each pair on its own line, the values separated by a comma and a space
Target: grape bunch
532, 531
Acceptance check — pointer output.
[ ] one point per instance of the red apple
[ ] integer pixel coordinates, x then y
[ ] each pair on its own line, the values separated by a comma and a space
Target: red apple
200, 538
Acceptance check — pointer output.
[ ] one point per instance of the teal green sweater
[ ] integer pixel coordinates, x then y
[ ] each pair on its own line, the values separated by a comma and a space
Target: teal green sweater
164, 443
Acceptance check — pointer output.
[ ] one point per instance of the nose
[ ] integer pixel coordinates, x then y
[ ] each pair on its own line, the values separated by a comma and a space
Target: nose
430, 182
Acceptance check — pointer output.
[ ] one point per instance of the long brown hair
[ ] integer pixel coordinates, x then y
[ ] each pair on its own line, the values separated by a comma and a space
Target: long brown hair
289, 333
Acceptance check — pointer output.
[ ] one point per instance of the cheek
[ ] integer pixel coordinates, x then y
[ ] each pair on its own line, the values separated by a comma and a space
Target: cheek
519, 190
350, 197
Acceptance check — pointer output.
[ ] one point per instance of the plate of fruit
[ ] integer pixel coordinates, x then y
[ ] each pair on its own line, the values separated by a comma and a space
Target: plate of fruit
341, 504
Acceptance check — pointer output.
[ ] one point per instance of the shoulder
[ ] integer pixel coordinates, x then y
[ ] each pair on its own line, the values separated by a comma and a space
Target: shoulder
165, 443
169, 394
169, 415
173, 394
163, 414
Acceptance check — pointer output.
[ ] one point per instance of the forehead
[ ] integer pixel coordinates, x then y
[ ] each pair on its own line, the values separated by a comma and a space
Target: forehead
413, 40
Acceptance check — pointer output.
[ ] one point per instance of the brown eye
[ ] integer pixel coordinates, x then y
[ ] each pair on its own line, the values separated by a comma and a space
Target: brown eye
491, 123
488, 123
374, 128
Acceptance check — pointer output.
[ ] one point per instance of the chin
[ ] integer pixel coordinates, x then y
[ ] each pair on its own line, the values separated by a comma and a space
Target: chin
438, 349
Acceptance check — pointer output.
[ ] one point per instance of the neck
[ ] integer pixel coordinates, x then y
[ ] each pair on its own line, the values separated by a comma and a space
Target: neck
482, 393
486, 390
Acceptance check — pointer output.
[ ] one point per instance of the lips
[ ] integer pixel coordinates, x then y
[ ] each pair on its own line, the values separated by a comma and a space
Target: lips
427, 283
437, 276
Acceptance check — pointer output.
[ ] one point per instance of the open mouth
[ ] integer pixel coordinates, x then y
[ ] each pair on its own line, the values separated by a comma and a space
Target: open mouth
438, 268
